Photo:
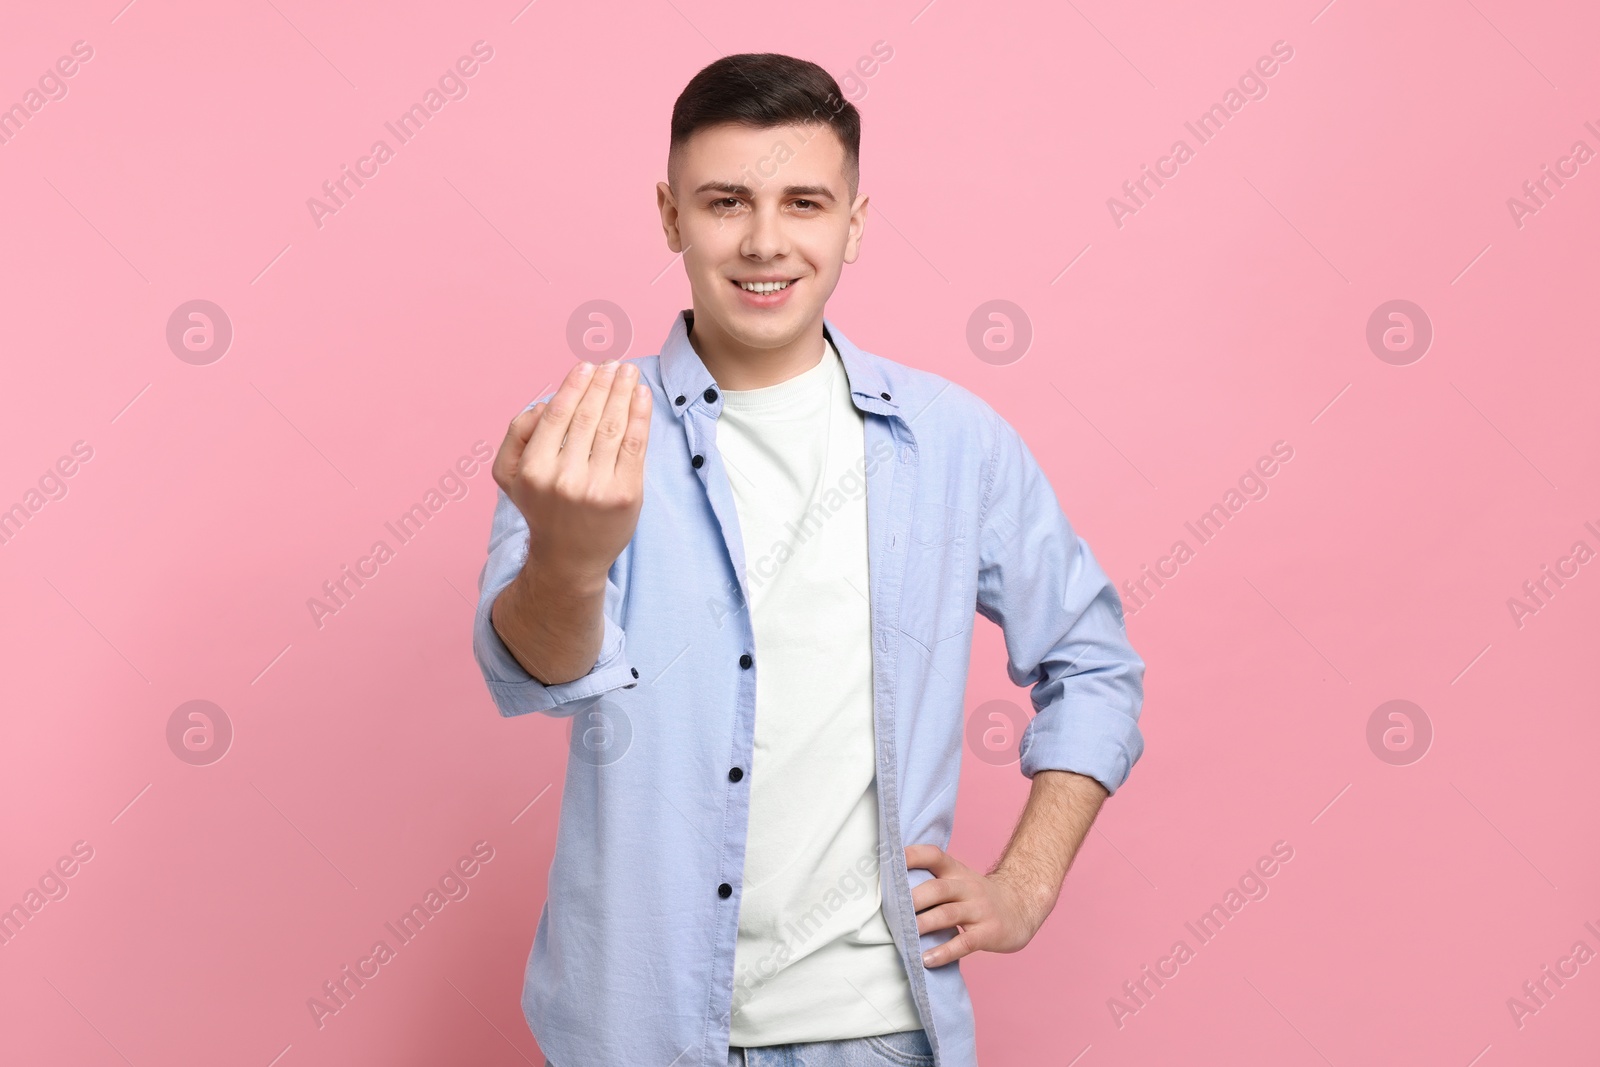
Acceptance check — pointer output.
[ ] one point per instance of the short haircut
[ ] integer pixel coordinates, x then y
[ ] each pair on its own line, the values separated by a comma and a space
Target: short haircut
762, 90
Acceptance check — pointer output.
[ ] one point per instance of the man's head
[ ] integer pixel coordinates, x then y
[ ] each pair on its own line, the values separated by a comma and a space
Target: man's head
762, 177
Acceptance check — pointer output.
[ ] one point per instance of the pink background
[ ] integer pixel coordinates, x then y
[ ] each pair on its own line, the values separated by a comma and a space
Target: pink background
371, 353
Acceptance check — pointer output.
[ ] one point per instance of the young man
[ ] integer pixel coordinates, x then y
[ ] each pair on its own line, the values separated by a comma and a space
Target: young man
747, 568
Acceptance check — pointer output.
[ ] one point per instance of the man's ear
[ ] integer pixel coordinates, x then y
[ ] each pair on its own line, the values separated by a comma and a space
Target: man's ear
858, 225
667, 204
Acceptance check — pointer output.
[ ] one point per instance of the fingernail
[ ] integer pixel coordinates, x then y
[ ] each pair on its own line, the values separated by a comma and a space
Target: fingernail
586, 367
927, 957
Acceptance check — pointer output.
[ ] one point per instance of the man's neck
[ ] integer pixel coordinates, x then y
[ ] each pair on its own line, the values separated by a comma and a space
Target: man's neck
737, 366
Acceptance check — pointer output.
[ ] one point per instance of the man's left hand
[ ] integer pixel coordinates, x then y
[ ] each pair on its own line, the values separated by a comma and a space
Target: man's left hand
998, 912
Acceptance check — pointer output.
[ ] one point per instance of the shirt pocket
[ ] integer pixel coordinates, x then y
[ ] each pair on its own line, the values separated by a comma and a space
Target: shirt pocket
937, 524
940, 592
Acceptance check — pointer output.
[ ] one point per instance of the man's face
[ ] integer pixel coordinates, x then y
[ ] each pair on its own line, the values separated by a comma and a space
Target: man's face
762, 205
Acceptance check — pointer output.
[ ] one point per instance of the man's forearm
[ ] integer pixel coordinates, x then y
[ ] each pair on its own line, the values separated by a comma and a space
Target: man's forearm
1062, 805
551, 626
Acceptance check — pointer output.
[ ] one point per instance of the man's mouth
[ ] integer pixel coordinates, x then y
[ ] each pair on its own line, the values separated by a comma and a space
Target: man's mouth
765, 287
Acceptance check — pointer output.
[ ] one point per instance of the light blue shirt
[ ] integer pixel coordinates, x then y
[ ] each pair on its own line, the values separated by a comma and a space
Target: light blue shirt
632, 961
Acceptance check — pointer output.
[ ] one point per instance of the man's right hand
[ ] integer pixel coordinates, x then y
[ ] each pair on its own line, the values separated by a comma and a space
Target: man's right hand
575, 469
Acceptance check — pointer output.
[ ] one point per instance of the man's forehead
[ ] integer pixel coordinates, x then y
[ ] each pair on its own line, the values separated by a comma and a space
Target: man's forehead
728, 157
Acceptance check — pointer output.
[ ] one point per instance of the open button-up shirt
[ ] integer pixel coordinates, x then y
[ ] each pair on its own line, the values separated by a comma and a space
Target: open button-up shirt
633, 958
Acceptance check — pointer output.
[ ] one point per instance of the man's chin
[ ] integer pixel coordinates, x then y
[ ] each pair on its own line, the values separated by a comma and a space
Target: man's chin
760, 329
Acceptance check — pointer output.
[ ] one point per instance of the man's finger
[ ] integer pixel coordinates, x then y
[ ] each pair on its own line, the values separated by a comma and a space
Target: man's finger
953, 949
929, 857
636, 438
580, 429
613, 421
508, 459
545, 443
945, 916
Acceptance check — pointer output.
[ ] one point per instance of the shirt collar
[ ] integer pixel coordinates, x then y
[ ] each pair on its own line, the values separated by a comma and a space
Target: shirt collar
684, 374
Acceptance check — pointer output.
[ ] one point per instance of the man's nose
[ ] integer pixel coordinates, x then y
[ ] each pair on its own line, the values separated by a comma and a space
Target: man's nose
765, 238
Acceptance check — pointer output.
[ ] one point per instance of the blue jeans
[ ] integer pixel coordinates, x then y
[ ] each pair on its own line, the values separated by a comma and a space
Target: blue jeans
907, 1048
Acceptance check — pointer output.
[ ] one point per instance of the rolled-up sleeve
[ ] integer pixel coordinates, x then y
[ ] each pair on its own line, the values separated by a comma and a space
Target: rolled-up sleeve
515, 691
1063, 625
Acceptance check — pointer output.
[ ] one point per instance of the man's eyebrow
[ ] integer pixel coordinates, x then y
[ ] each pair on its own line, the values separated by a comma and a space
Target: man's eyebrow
735, 188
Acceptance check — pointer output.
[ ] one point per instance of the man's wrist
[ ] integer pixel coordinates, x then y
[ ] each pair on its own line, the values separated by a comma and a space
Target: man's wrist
532, 617
1037, 886
559, 587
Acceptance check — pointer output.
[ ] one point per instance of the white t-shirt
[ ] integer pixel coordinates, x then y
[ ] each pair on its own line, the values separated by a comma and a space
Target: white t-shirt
814, 959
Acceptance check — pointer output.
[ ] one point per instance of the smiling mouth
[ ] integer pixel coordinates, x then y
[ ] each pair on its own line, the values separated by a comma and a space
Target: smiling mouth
760, 288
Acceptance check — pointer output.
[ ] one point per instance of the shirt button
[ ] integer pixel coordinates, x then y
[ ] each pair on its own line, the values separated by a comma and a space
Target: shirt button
735, 774
745, 661
635, 671
680, 401
696, 461
724, 890
711, 396
884, 395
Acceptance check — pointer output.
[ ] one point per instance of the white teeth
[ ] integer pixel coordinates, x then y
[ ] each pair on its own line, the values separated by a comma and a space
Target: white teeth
763, 287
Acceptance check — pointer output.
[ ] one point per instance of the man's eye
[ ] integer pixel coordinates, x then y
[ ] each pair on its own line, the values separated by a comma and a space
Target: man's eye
727, 200
808, 203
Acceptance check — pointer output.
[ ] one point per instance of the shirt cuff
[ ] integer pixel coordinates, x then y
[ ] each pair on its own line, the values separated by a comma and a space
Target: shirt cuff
1098, 741
516, 692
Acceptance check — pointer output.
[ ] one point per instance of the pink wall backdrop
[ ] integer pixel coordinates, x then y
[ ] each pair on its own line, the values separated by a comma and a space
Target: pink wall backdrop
1373, 275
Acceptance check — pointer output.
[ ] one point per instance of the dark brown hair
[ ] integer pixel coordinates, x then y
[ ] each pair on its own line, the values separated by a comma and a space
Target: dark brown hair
761, 90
